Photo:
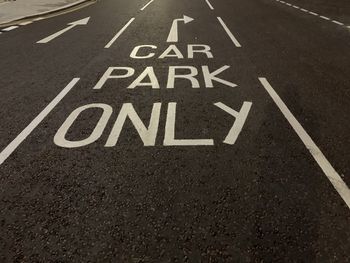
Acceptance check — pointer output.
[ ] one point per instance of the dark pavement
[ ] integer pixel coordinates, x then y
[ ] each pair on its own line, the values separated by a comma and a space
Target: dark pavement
261, 198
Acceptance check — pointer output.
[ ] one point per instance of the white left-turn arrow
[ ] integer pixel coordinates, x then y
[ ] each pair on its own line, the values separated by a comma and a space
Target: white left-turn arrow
71, 25
173, 34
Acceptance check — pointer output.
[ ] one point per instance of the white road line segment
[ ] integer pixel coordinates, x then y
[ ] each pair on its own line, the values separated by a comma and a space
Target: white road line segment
335, 179
229, 33
143, 8
210, 5
7, 29
71, 25
110, 43
325, 18
29, 129
26, 23
337, 22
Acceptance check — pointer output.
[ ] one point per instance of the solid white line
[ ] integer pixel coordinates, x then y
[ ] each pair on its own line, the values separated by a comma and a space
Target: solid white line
119, 33
229, 33
337, 22
143, 8
26, 23
24, 134
210, 5
325, 18
9, 28
316, 153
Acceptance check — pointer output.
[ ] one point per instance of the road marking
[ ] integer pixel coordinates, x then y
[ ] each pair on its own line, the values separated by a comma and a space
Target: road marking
110, 43
229, 33
325, 18
81, 22
7, 29
26, 23
316, 153
337, 22
143, 8
38, 19
210, 5
312, 13
29, 129
173, 34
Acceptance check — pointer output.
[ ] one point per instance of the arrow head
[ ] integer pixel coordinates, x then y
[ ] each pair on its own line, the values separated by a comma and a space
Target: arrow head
187, 19
80, 22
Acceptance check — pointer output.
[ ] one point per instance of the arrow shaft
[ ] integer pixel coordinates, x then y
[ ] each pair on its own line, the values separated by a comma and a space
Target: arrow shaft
57, 34
173, 34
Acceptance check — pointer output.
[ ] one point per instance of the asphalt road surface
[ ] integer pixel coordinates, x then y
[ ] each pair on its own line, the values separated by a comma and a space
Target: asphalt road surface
177, 131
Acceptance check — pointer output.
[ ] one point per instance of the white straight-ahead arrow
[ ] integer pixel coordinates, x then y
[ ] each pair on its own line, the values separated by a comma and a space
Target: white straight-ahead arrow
81, 22
173, 34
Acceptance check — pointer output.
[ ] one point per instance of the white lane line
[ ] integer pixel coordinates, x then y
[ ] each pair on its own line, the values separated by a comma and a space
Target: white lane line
110, 43
143, 8
325, 18
316, 153
337, 22
9, 28
313, 13
304, 10
210, 5
288, 4
26, 23
28, 130
295, 6
38, 19
229, 33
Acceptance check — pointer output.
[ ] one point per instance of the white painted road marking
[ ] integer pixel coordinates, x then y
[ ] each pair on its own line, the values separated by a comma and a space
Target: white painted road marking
110, 43
173, 34
229, 33
325, 18
210, 5
314, 14
28, 130
9, 28
71, 25
337, 22
143, 8
26, 23
316, 153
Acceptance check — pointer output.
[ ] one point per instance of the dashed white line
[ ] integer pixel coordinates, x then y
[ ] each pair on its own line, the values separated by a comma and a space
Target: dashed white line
29, 129
110, 43
26, 23
313, 13
337, 22
210, 5
229, 33
325, 18
143, 8
9, 28
316, 153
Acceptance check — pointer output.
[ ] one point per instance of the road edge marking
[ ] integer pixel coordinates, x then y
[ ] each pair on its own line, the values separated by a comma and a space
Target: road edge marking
9, 149
335, 179
110, 43
229, 33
